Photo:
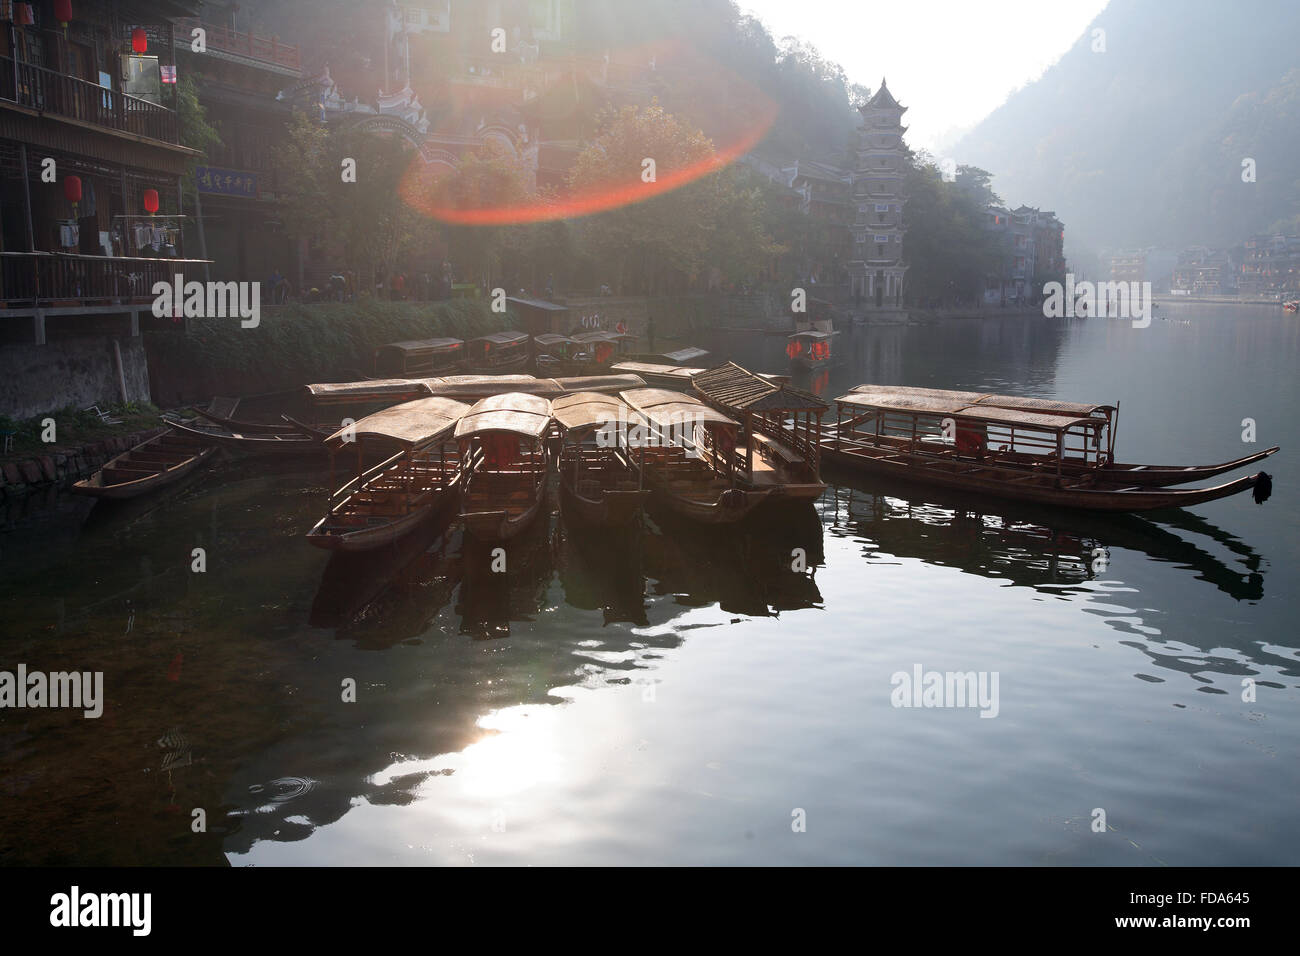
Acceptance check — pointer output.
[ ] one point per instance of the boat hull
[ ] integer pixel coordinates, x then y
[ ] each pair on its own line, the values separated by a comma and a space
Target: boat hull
1012, 486
265, 443
613, 509
95, 488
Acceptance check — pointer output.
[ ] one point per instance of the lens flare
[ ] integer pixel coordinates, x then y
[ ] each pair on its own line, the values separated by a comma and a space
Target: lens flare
419, 184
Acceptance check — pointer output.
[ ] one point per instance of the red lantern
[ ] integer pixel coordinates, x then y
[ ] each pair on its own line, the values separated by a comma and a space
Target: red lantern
63, 12
72, 188
151, 201
139, 40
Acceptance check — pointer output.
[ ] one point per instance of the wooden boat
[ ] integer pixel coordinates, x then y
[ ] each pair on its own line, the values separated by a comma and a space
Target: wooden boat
253, 443
497, 353
418, 359
290, 426
598, 350
388, 501
949, 440
553, 354
598, 483
506, 436
810, 348
780, 428
1132, 474
687, 456
148, 466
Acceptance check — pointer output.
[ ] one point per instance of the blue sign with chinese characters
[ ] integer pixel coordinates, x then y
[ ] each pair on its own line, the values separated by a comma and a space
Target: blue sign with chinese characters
226, 182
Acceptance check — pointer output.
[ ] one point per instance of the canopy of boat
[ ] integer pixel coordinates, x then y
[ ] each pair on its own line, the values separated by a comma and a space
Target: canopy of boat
380, 388
667, 409
503, 338
813, 334
583, 410
737, 387
662, 371
682, 356
423, 345
955, 405
601, 336
1051, 406
549, 340
526, 415
410, 424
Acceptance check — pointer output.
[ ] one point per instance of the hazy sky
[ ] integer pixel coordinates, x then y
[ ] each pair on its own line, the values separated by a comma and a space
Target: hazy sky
951, 62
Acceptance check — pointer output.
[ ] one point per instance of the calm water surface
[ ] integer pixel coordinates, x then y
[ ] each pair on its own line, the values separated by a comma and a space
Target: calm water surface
675, 696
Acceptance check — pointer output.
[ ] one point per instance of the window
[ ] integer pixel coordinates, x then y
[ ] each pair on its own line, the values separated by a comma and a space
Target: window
882, 207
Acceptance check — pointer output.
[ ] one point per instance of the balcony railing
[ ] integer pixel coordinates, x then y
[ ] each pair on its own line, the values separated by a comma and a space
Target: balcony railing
50, 92
250, 45
47, 279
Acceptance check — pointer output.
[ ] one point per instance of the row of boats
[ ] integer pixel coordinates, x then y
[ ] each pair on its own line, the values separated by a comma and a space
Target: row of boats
712, 445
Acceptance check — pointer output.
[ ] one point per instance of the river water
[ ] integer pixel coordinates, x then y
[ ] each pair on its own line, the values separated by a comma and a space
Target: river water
694, 696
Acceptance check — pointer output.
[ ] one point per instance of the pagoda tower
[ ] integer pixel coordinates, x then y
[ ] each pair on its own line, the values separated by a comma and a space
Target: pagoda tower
876, 266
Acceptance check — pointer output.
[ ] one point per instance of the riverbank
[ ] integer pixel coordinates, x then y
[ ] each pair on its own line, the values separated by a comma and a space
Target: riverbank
295, 344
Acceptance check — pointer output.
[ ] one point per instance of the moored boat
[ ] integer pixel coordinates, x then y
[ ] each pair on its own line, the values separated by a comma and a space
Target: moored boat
1103, 465
810, 348
388, 501
599, 485
687, 456
496, 353
418, 359
505, 435
152, 464
963, 440
294, 442
780, 428
553, 354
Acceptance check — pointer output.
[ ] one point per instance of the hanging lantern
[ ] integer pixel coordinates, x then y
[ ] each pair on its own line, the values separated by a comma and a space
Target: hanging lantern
151, 201
139, 40
72, 188
63, 12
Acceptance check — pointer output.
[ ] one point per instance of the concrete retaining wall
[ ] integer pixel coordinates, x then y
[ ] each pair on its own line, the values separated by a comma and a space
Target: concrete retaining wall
80, 371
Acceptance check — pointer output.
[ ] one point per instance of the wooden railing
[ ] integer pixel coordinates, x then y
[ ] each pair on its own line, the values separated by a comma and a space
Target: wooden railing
787, 436
266, 49
46, 279
50, 92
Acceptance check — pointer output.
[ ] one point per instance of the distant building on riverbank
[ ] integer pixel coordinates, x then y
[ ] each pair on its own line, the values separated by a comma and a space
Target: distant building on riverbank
876, 266
1204, 271
1270, 265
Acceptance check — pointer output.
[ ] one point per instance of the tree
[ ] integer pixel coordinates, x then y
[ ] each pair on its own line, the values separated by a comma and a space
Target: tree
342, 189
671, 225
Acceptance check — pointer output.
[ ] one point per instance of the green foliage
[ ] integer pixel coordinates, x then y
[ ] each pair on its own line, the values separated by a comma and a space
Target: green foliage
196, 131
949, 250
312, 343
366, 225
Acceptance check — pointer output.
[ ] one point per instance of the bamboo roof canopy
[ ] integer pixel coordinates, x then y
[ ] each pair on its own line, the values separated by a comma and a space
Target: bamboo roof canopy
682, 356
739, 388
812, 334
410, 424
503, 338
601, 336
525, 415
952, 404
549, 339
379, 388
985, 398
600, 383
592, 409
424, 345
667, 408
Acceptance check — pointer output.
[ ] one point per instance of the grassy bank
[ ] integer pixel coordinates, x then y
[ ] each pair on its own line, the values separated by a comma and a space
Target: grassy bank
73, 427
298, 344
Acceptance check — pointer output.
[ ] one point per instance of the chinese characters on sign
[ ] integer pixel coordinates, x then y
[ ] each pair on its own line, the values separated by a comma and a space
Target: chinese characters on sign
226, 182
